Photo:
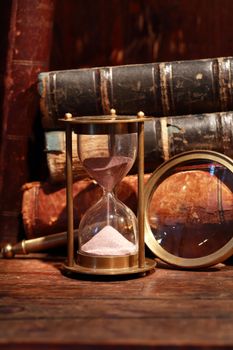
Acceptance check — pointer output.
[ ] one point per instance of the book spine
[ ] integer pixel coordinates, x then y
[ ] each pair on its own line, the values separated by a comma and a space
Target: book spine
28, 53
56, 158
164, 138
158, 89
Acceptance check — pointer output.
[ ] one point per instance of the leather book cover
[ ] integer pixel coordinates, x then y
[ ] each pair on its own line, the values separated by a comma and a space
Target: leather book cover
44, 204
28, 50
157, 89
164, 138
206, 201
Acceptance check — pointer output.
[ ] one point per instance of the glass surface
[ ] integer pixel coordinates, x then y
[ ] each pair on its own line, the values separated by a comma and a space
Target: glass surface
191, 209
109, 227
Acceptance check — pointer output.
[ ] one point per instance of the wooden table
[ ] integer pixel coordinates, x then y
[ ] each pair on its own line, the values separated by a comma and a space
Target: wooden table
168, 309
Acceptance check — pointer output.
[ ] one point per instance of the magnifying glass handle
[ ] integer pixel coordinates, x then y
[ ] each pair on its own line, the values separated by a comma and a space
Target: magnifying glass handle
36, 244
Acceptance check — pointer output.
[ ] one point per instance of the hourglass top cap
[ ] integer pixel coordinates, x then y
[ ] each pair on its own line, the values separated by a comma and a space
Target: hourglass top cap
111, 118
104, 124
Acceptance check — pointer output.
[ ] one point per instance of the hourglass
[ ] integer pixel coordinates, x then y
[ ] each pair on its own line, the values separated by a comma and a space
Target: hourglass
110, 236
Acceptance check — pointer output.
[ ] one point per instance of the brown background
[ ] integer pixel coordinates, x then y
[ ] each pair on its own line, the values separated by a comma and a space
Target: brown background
102, 32
89, 33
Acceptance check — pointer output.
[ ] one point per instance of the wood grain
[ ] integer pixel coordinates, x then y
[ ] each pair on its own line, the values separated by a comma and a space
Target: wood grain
167, 309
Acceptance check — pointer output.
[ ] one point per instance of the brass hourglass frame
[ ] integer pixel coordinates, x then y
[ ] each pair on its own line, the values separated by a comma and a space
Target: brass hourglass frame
114, 266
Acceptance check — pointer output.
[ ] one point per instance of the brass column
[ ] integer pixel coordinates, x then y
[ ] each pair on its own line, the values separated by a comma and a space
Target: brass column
69, 194
141, 257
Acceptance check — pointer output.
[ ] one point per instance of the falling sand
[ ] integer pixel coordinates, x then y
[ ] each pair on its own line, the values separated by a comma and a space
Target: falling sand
109, 241
108, 171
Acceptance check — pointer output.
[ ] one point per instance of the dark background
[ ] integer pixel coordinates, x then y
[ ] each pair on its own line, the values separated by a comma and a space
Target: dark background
86, 33
112, 32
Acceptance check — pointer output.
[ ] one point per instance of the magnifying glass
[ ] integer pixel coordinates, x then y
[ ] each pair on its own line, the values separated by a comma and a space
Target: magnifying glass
189, 209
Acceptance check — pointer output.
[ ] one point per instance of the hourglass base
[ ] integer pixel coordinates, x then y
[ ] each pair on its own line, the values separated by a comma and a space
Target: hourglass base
91, 266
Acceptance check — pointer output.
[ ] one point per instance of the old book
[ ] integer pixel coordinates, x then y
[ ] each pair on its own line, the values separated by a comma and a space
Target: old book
56, 158
30, 32
158, 89
44, 204
164, 137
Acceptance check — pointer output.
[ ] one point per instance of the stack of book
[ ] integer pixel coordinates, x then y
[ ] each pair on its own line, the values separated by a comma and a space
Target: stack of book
191, 102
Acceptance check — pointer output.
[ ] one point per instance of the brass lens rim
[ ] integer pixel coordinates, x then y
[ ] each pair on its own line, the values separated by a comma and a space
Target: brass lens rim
155, 179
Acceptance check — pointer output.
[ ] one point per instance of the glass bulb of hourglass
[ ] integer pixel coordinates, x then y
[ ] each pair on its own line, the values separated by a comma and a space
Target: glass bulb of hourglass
109, 227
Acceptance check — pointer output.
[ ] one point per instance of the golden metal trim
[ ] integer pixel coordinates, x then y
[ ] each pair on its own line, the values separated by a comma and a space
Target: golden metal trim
141, 201
103, 128
220, 255
69, 196
104, 119
95, 125
107, 262
135, 270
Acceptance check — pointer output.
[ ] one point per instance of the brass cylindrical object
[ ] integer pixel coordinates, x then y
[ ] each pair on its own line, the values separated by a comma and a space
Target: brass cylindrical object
107, 262
141, 259
36, 244
69, 197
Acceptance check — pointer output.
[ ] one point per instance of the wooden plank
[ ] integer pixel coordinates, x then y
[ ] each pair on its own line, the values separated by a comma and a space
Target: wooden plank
164, 283
157, 332
27, 309
170, 309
